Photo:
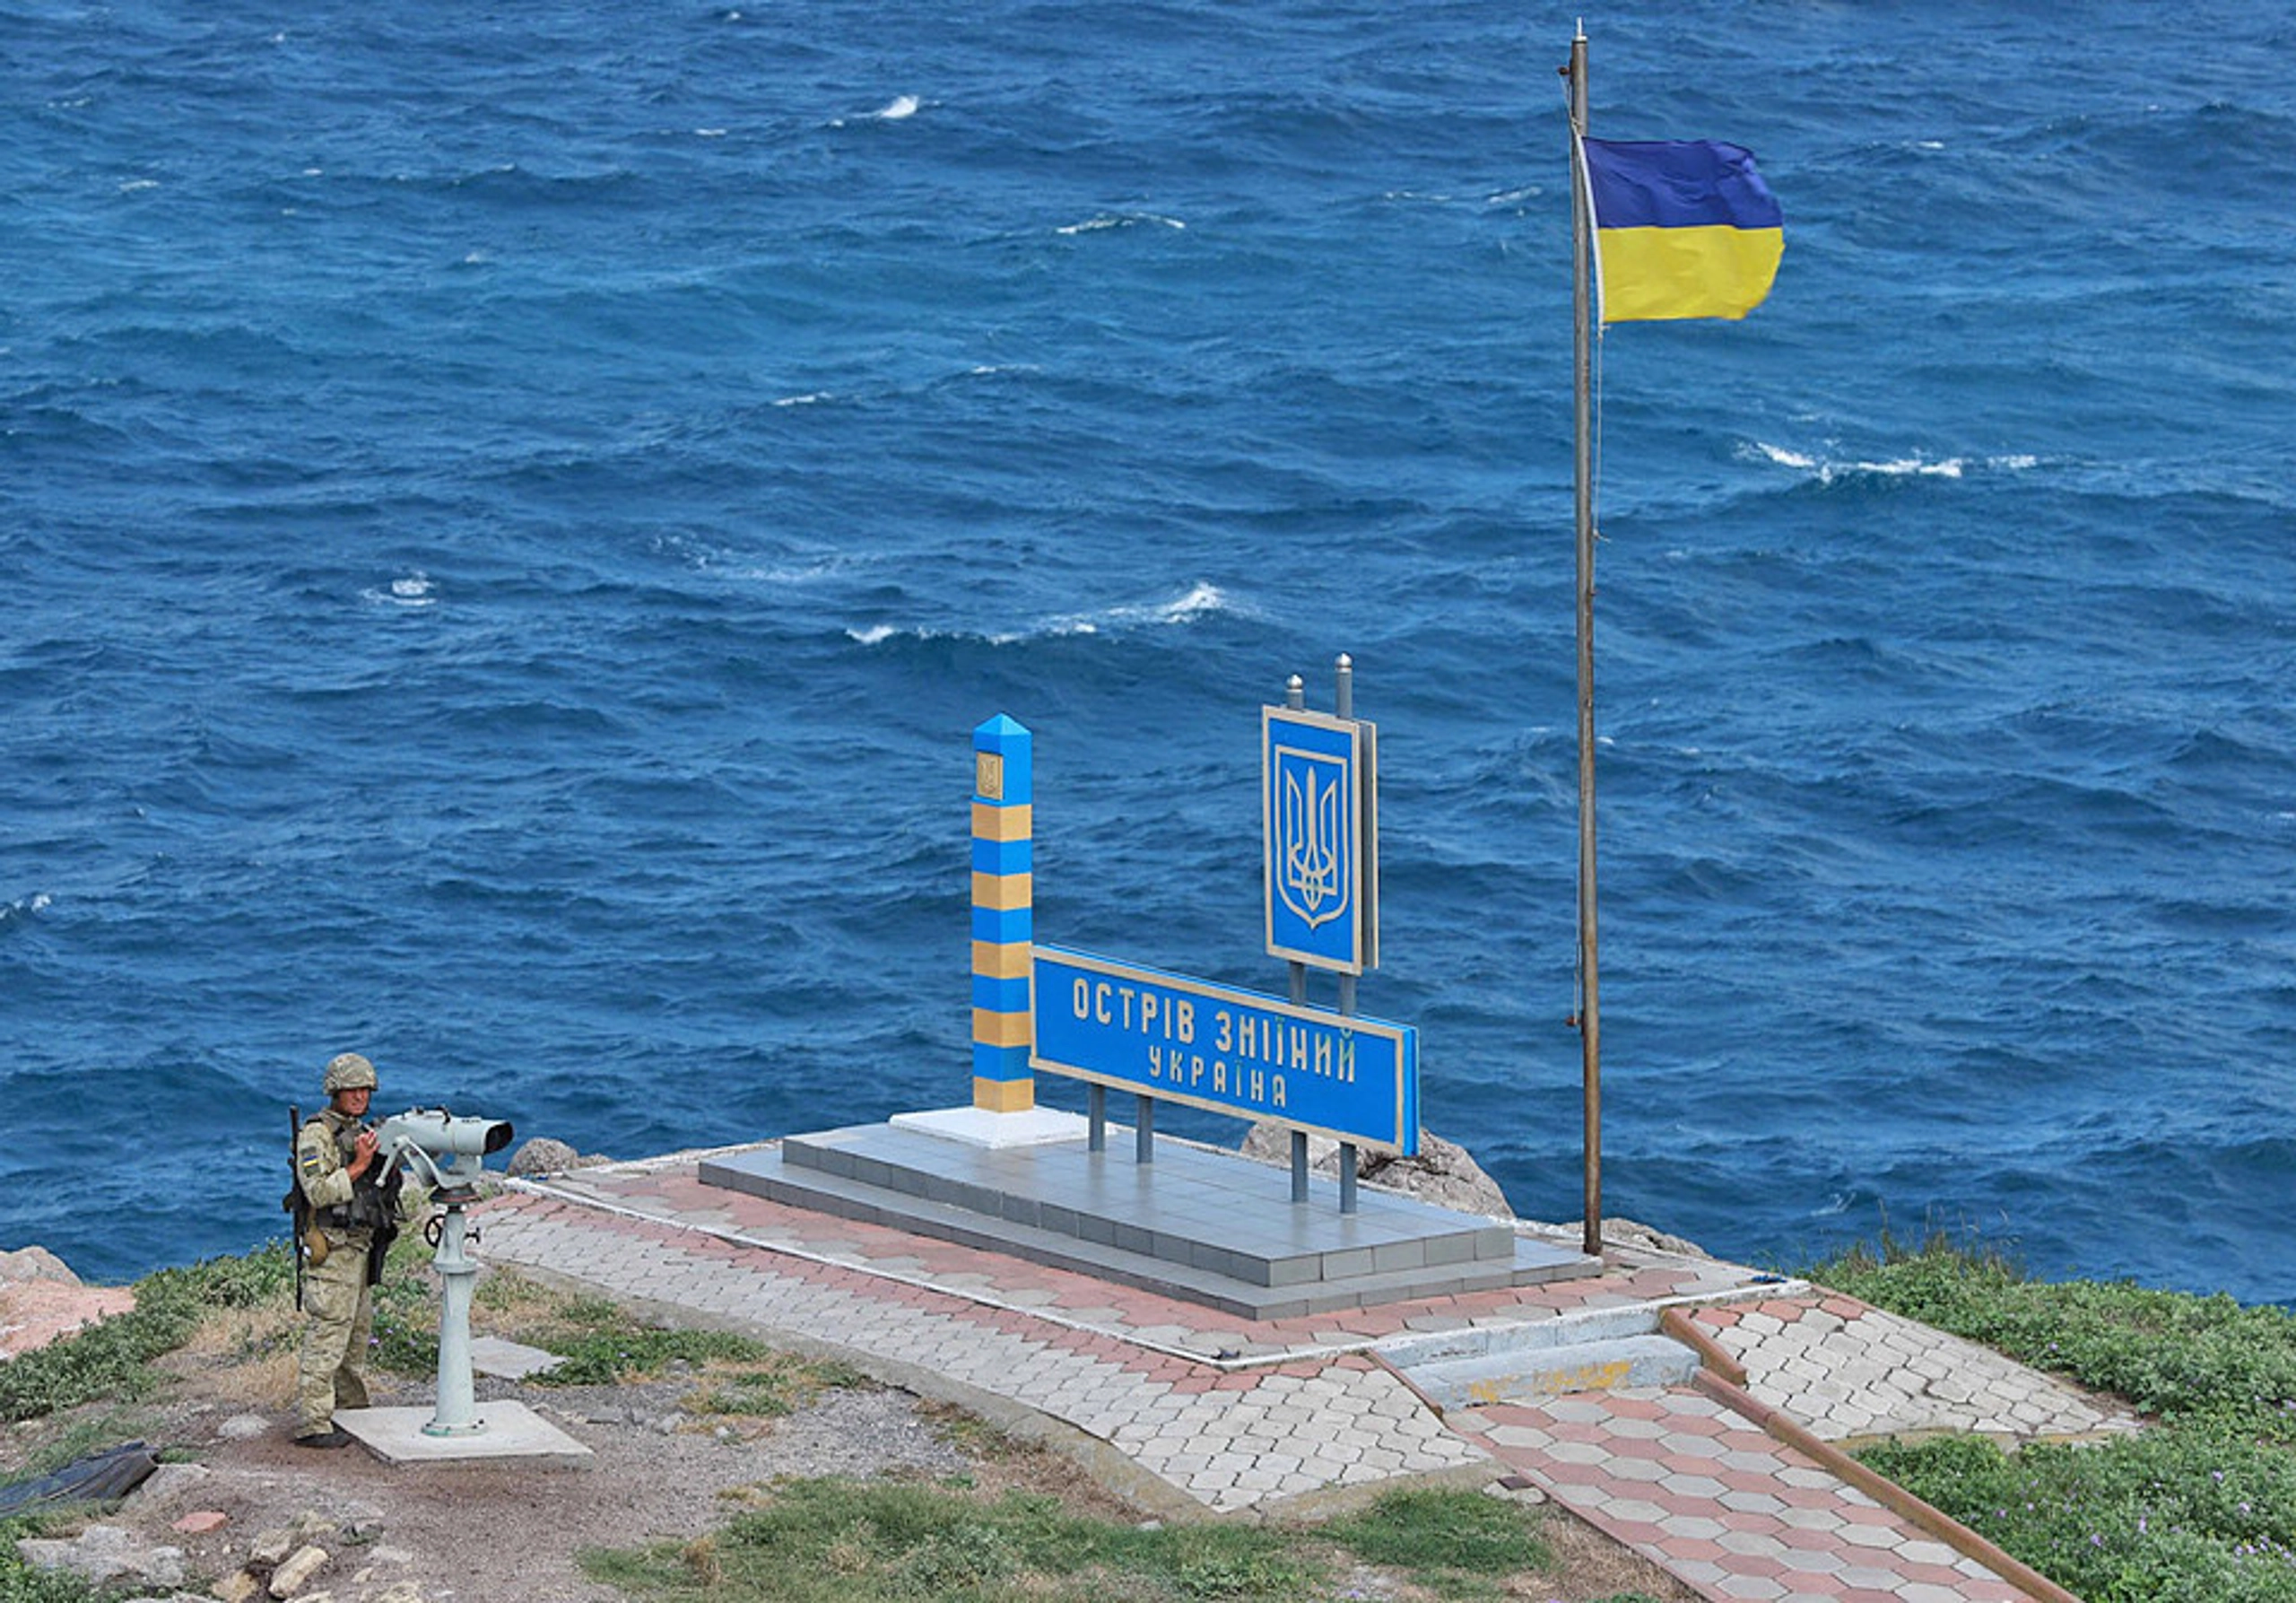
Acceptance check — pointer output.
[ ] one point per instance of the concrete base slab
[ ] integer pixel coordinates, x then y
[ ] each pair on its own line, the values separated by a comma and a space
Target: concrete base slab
510, 1360
1205, 1227
512, 1433
977, 1126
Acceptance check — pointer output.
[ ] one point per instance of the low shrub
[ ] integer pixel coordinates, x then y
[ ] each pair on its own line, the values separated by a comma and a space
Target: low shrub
2190, 1514
110, 1361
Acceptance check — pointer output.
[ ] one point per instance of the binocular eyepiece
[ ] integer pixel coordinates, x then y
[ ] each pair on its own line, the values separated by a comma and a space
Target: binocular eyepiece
446, 1151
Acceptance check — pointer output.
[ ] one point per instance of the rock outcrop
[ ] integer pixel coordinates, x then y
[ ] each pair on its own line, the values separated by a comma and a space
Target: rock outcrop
41, 1299
1629, 1233
1443, 1174
542, 1156
105, 1556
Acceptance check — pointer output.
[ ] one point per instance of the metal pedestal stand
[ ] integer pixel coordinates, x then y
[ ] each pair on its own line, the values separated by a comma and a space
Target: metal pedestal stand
457, 1411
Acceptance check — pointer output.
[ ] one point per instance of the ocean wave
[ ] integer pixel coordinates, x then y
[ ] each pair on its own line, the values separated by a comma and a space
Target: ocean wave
410, 590
792, 573
1201, 600
1105, 220
800, 566
1828, 470
900, 109
509, 181
14, 915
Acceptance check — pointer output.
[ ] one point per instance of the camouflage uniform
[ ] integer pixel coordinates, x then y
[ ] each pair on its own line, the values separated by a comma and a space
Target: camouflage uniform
338, 1309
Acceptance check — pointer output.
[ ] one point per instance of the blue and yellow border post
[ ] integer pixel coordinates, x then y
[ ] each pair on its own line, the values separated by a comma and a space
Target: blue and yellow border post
1003, 915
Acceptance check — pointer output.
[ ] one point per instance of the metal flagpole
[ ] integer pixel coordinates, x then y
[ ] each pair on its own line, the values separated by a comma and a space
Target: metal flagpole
1590, 1017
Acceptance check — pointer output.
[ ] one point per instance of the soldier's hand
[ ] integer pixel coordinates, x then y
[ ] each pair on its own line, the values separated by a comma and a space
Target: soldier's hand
365, 1154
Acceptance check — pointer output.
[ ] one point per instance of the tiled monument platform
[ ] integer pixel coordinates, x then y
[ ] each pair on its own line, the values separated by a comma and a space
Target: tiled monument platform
1201, 1225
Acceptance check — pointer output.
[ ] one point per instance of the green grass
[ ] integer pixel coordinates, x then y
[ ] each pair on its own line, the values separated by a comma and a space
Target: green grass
2199, 1508
1457, 1544
598, 1345
841, 1541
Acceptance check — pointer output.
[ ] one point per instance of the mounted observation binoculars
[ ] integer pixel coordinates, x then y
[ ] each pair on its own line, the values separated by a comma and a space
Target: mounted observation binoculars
448, 1156
445, 1152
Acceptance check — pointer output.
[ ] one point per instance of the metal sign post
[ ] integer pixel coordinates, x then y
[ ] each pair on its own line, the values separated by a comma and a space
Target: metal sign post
1319, 828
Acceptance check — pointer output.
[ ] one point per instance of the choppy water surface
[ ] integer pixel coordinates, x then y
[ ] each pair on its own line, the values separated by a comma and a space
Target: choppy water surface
508, 522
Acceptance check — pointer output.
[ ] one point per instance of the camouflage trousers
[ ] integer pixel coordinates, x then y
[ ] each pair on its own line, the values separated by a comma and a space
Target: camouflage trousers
338, 1318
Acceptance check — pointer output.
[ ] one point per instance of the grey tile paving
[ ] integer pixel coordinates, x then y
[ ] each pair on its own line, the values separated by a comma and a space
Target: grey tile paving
1701, 1491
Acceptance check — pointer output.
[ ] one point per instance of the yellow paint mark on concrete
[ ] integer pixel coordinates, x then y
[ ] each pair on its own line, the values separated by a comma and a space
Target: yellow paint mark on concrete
1550, 1382
1587, 1377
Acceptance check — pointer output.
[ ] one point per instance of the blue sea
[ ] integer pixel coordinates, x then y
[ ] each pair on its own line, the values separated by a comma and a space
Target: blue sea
510, 516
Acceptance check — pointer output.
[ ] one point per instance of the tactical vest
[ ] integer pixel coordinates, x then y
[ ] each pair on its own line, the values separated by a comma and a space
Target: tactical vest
366, 1210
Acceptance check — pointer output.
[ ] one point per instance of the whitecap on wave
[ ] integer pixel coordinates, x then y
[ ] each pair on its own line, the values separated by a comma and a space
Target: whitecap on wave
1198, 601
1109, 220
415, 589
900, 109
1826, 470
1201, 600
18, 912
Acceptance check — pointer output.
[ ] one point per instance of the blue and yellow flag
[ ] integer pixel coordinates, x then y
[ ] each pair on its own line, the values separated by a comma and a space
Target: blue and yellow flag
1682, 229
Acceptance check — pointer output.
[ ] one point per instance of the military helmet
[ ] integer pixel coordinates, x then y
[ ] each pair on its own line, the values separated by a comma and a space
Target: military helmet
348, 1071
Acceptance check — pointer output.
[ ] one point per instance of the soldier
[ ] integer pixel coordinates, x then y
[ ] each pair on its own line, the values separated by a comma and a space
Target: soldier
351, 1205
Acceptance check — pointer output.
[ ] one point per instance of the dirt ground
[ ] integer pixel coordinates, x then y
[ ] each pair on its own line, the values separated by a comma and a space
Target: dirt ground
660, 1471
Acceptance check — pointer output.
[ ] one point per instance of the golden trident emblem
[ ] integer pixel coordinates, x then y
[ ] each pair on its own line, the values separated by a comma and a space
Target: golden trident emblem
1310, 839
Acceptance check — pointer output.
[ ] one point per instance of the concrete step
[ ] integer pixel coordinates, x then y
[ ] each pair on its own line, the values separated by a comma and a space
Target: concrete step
763, 1173
1522, 1373
1574, 1328
1200, 1208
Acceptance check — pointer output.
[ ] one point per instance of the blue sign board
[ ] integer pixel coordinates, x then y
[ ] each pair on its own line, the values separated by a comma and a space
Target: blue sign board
1232, 1052
1319, 810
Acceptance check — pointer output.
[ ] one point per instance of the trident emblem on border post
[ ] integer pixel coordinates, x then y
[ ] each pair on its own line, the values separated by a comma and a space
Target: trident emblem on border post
1311, 836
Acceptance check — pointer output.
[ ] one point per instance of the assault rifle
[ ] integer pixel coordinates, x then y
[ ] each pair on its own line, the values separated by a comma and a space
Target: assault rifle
386, 1228
297, 1205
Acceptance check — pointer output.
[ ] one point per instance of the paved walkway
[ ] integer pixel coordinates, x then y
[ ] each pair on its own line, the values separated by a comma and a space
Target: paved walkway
1723, 1504
1847, 1371
1237, 1417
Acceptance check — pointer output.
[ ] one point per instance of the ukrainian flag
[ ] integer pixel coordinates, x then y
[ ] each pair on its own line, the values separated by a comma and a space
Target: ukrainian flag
1682, 229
